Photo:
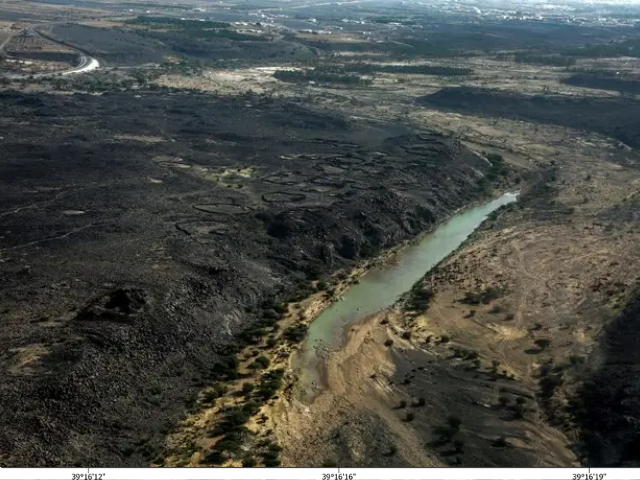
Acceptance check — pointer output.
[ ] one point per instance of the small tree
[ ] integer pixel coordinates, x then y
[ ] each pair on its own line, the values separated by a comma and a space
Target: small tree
247, 388
542, 343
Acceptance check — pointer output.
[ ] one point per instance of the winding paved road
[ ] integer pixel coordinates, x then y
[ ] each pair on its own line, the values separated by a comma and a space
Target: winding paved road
87, 63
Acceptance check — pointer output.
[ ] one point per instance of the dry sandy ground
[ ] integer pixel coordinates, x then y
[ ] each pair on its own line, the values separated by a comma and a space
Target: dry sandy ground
357, 391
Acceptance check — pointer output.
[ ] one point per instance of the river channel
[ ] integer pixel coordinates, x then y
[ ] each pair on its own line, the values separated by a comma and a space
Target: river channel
381, 287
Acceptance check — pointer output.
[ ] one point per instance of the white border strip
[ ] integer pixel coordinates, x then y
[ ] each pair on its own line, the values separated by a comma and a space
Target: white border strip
318, 474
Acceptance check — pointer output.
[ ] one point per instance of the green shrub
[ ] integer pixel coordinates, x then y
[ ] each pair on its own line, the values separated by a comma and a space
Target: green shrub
247, 388
542, 343
296, 333
281, 308
483, 297
226, 368
263, 361
420, 297
270, 383
319, 75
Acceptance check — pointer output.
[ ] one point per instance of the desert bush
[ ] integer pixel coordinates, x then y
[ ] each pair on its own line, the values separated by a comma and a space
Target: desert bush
542, 343
296, 333
247, 388
419, 297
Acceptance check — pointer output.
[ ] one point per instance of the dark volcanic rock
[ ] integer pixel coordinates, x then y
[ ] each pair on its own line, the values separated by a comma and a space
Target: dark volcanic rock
616, 117
135, 238
607, 406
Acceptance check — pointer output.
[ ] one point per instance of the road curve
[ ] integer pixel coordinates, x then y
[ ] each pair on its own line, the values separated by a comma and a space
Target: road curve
87, 63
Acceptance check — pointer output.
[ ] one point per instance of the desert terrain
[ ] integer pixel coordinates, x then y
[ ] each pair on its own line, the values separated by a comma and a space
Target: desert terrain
186, 187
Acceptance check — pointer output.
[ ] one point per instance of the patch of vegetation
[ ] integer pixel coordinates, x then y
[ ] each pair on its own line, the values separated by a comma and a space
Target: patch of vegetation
484, 296
321, 75
296, 333
446, 433
247, 388
233, 419
271, 458
226, 368
465, 354
263, 361
545, 60
209, 396
391, 451
270, 383
497, 171
164, 22
543, 343
419, 297
410, 417
550, 379
281, 308
372, 68
420, 402
175, 28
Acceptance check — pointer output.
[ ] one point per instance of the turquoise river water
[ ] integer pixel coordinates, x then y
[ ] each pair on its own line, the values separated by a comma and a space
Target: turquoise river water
381, 287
